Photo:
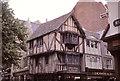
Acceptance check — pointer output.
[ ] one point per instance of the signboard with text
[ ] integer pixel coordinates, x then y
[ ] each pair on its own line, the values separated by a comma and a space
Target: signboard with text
116, 22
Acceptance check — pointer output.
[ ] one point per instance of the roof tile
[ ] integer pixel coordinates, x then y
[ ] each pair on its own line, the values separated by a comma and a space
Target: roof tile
49, 26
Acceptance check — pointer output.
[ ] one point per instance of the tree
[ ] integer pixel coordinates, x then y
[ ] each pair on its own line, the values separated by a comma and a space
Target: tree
14, 37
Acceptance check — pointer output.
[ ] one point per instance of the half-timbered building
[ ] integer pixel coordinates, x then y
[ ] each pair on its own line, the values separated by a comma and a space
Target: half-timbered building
59, 49
56, 49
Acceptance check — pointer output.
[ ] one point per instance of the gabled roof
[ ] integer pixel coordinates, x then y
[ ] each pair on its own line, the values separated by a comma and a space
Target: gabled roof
105, 32
92, 35
51, 26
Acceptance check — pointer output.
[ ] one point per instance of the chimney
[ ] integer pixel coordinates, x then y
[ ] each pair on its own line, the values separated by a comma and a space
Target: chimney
46, 20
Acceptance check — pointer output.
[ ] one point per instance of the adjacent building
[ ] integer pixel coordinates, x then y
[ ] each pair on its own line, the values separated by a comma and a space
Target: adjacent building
99, 64
112, 34
93, 16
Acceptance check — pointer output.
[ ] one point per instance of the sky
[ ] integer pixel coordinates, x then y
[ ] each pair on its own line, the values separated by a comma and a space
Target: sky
41, 9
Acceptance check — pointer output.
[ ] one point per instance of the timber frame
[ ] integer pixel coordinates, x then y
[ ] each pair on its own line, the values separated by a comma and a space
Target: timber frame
56, 48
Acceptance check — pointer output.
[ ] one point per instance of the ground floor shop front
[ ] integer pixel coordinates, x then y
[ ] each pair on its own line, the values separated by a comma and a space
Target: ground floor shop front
89, 75
58, 76
99, 74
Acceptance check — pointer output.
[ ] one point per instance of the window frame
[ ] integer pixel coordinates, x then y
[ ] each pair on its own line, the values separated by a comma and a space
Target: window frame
31, 44
39, 42
46, 60
88, 42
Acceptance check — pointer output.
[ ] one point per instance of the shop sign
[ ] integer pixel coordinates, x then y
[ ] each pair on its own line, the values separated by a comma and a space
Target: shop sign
101, 73
116, 22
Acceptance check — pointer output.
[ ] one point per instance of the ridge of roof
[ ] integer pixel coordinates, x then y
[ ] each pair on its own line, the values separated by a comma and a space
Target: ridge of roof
35, 23
49, 26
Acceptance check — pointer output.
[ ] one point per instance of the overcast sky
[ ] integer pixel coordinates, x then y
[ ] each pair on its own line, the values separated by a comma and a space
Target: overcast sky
41, 9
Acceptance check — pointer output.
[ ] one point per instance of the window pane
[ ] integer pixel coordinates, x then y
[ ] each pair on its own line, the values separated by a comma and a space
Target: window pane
88, 43
96, 44
46, 60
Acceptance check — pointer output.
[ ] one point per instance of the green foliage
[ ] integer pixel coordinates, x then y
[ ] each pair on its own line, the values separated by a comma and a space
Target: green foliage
14, 37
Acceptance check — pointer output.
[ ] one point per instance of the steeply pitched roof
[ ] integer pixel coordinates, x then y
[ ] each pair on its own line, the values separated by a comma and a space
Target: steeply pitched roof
88, 15
50, 26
